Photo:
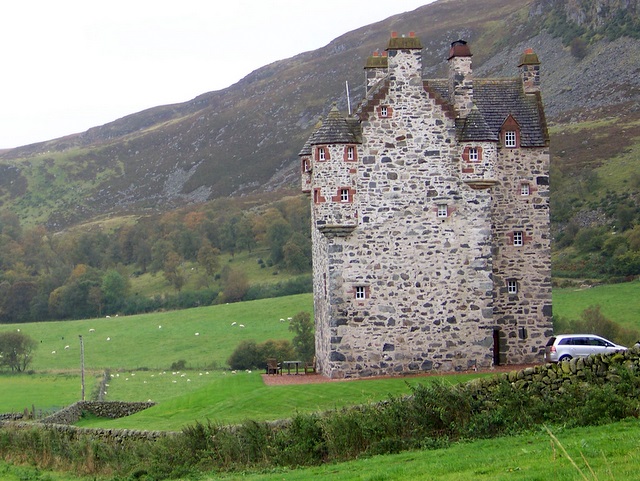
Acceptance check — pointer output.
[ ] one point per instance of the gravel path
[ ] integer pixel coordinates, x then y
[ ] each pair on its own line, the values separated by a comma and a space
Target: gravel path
286, 379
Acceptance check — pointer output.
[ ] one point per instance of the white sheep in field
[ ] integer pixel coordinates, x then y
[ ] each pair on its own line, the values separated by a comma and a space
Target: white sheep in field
197, 333
92, 330
66, 347
241, 325
234, 323
281, 320
53, 352
108, 338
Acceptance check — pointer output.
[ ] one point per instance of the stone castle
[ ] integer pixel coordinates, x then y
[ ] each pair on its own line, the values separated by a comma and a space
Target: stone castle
430, 212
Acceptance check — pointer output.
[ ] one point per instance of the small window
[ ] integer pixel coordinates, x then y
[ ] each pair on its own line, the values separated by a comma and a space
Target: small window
524, 189
361, 292
518, 238
510, 138
473, 154
321, 154
344, 195
512, 286
384, 111
443, 210
351, 153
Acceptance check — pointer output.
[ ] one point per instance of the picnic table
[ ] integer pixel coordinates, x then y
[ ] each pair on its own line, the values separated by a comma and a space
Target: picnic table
289, 364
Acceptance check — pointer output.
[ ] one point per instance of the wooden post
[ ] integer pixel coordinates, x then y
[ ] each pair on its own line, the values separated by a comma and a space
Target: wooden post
82, 365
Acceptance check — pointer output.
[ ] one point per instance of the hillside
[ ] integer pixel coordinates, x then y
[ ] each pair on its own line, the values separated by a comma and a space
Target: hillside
245, 138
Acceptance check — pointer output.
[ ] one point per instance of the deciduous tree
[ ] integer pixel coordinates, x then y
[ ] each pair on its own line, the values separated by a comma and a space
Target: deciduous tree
16, 349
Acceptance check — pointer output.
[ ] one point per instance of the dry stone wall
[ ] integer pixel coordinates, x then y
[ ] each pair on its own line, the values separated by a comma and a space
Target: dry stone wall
102, 409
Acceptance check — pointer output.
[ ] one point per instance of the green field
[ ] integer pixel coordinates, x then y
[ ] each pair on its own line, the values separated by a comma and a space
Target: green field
140, 352
234, 398
204, 337
618, 302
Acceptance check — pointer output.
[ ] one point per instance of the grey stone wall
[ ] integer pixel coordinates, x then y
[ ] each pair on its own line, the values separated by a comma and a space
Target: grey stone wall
103, 409
553, 377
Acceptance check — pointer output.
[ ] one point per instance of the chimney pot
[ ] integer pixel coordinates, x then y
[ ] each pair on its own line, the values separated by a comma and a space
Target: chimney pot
394, 34
412, 34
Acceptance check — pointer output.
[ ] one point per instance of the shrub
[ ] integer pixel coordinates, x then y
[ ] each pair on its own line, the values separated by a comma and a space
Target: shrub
250, 355
304, 338
178, 365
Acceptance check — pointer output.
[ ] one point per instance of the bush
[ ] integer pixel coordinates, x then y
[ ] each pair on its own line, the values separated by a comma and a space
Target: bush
178, 365
304, 341
250, 355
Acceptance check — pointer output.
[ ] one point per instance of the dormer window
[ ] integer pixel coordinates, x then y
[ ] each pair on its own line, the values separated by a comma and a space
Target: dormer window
510, 133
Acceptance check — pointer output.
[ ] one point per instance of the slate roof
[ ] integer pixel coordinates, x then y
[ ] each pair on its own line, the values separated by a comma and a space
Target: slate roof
475, 128
336, 129
495, 100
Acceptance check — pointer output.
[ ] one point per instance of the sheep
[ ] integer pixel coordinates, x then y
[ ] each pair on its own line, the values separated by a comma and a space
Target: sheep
66, 347
159, 327
92, 330
234, 323
281, 319
53, 352
197, 333
241, 325
108, 338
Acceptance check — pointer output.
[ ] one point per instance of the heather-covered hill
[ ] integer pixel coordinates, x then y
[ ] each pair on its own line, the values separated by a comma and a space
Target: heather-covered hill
245, 138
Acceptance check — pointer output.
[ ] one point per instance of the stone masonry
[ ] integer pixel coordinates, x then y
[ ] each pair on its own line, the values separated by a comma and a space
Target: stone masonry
430, 212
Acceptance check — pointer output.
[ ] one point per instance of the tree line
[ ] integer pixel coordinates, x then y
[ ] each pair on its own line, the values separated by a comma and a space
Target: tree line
87, 271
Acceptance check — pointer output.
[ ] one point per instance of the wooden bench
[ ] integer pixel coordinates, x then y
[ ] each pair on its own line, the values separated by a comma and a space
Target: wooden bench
273, 367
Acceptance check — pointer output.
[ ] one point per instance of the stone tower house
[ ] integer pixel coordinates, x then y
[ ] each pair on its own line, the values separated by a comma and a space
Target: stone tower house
430, 212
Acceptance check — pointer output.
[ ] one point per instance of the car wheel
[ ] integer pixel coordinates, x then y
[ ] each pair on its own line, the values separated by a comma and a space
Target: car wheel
566, 357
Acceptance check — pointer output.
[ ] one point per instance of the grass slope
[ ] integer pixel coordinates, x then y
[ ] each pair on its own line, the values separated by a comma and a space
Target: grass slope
601, 453
618, 302
157, 340
230, 399
612, 452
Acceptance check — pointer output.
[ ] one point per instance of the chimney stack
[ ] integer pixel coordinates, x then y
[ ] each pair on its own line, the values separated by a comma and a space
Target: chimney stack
529, 66
460, 78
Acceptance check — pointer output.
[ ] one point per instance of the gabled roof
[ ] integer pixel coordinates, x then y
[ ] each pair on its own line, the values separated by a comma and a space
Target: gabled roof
495, 100
337, 129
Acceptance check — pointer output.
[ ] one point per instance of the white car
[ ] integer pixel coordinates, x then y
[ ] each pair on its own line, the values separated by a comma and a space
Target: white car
566, 346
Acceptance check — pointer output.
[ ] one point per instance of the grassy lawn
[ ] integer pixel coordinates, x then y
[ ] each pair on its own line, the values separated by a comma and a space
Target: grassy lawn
618, 302
233, 398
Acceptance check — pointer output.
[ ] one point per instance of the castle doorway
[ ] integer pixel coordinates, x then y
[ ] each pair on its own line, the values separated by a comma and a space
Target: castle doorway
496, 347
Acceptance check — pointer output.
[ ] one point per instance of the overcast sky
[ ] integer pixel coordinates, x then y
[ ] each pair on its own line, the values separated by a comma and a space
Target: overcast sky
69, 65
